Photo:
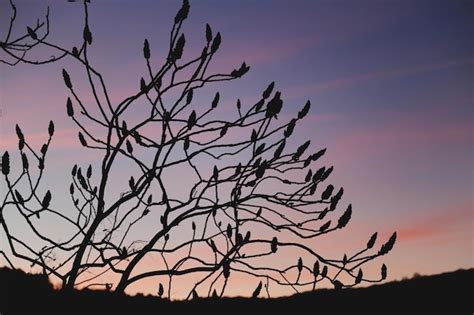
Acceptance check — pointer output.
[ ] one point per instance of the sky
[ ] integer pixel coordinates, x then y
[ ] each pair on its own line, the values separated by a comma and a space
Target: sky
391, 84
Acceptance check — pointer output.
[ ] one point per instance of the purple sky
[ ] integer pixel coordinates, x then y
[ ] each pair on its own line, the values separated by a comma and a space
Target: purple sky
390, 83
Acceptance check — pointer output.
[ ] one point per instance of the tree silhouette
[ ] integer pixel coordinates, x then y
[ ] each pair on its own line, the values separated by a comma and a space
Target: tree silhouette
243, 199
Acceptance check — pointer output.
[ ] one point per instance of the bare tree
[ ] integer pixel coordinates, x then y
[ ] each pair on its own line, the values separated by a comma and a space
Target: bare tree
234, 217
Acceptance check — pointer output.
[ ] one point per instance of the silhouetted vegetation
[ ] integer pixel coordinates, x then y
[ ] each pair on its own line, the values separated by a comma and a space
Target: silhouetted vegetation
232, 218
448, 293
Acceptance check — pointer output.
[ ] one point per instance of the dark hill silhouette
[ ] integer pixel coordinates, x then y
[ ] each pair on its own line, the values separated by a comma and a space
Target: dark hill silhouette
447, 293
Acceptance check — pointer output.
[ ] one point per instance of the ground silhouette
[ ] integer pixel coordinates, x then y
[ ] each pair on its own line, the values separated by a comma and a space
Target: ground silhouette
447, 293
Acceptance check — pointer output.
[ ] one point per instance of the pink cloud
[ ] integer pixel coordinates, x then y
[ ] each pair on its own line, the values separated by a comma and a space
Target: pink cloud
257, 52
351, 80
63, 138
437, 222
412, 131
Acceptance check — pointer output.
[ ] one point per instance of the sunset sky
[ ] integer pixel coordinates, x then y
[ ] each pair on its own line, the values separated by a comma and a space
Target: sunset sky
391, 83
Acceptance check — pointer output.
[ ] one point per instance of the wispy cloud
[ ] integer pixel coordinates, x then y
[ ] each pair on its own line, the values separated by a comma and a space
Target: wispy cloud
436, 222
351, 80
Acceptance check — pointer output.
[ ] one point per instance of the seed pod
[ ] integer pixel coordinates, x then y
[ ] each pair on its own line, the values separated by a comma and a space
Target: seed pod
274, 245
186, 143
372, 240
340, 193
358, 279
216, 43
344, 219
256, 293
21, 144
215, 101
279, 150
308, 176
51, 128
324, 272
213, 246
69, 108
389, 245
289, 129
226, 269
383, 272
327, 192
182, 13
247, 237
319, 173
192, 119
87, 35
5, 163
323, 214
327, 173
67, 79
89, 171
31, 33
46, 200
259, 105
146, 49
301, 149
82, 139
24, 161
268, 90
318, 154
75, 52
19, 133
124, 127
208, 33
300, 265
82, 180
189, 97
129, 147
238, 238
143, 87
254, 136
19, 197
229, 231
224, 130
274, 106
325, 226
305, 110
178, 50
259, 149
316, 269
160, 290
